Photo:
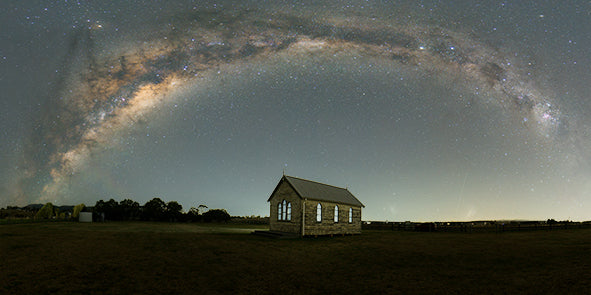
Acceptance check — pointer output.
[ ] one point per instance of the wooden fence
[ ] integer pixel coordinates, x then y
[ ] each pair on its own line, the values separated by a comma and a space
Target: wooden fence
469, 227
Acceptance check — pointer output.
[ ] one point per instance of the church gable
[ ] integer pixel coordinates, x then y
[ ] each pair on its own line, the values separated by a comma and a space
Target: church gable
286, 209
283, 188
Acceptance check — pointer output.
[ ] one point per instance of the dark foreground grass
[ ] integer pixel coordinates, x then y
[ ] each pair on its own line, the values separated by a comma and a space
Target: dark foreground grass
152, 258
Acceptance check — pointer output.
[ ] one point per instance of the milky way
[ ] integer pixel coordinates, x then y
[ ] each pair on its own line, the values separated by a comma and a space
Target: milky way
102, 92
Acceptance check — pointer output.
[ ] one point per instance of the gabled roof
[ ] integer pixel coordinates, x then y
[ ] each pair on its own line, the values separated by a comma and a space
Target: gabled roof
307, 189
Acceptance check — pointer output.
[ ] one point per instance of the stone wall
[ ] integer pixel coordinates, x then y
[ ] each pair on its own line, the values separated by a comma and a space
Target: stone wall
328, 226
286, 192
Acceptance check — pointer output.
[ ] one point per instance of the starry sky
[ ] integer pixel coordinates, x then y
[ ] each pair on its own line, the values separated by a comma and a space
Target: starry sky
425, 110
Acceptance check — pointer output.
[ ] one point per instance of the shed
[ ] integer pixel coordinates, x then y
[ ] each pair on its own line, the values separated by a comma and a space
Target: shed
85, 217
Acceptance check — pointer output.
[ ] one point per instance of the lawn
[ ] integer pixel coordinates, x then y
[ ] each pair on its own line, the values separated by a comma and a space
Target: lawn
164, 258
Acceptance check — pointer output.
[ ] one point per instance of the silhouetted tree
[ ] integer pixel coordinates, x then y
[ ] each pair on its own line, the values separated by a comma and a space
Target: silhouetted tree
219, 215
112, 210
173, 211
193, 215
130, 209
98, 212
154, 210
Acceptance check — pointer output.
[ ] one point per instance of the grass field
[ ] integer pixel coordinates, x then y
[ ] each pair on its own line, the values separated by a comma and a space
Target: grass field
162, 258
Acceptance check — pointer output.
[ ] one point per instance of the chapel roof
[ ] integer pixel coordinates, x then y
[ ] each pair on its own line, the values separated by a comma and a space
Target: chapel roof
307, 189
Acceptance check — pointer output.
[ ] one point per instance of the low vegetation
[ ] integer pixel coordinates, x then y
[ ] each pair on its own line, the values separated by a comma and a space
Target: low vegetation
193, 258
125, 210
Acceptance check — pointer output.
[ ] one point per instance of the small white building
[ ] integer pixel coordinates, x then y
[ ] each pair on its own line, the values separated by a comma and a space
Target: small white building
85, 217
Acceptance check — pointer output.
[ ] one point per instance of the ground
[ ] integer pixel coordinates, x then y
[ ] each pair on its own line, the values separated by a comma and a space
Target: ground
163, 258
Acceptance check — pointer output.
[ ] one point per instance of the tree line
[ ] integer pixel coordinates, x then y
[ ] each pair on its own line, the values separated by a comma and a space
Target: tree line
126, 210
155, 210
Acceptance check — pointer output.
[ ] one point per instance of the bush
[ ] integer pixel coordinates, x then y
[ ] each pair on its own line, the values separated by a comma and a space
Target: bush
218, 215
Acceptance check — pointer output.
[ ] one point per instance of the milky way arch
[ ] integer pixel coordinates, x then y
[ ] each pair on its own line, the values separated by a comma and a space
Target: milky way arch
106, 91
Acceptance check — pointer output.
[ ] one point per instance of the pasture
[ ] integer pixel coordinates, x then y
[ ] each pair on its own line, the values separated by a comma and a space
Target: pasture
165, 258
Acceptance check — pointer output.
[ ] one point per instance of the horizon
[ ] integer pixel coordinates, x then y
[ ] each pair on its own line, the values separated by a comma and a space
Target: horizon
185, 210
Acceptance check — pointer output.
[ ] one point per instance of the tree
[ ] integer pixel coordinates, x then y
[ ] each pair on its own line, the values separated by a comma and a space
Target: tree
98, 211
193, 215
77, 209
56, 212
154, 209
112, 210
46, 212
130, 210
173, 211
218, 215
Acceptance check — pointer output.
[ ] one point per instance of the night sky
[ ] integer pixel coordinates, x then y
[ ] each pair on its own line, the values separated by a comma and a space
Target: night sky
425, 110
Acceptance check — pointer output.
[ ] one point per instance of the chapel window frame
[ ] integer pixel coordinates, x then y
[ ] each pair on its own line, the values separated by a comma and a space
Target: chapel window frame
350, 215
288, 211
284, 212
319, 213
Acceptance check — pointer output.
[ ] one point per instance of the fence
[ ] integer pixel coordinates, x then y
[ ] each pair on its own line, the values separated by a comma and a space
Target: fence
489, 226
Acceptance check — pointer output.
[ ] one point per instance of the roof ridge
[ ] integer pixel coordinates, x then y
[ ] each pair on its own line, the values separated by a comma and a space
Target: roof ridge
317, 182
315, 190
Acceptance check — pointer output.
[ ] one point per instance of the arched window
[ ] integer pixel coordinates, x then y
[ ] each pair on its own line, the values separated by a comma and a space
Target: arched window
283, 216
350, 215
279, 209
319, 213
289, 211
336, 213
